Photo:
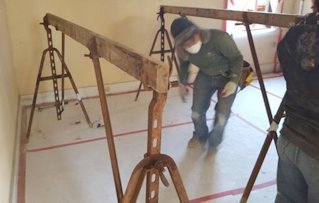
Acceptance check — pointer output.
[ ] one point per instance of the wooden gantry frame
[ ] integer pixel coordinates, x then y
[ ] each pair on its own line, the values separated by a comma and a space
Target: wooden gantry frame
154, 75
247, 18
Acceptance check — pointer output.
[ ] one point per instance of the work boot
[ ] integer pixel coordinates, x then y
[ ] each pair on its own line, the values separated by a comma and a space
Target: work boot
215, 138
197, 141
194, 143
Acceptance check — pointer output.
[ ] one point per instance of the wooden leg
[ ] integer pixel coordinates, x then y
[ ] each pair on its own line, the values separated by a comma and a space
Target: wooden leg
138, 91
151, 163
177, 180
272, 135
108, 127
36, 93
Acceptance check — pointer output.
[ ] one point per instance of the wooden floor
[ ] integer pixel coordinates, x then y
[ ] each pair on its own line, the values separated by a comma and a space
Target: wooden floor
66, 161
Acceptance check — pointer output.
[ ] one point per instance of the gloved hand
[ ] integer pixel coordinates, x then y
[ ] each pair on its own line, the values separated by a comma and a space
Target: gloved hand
229, 89
183, 91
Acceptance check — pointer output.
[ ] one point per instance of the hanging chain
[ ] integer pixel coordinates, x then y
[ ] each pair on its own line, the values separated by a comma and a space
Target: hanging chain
58, 106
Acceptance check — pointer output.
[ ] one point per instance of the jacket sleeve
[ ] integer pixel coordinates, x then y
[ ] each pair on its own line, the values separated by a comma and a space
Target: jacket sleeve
229, 50
184, 71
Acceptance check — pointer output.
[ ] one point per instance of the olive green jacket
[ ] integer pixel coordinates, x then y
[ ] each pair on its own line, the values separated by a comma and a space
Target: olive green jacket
218, 55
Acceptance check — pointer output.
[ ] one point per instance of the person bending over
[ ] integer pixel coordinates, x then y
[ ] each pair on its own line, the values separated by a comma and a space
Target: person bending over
220, 64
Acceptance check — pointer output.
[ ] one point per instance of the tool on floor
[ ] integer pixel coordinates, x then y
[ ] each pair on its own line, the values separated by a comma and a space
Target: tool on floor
65, 73
97, 124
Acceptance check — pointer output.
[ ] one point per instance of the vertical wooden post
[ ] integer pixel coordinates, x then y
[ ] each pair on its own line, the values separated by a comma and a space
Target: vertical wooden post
108, 126
154, 143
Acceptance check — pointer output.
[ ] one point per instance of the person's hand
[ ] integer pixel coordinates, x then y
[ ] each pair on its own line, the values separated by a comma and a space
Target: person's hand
183, 91
229, 89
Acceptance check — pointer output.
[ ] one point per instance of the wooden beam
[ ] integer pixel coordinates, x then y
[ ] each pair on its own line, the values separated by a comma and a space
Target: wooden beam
152, 73
272, 19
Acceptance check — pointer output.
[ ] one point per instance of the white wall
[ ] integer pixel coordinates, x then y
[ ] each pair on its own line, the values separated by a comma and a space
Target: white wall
8, 109
131, 23
307, 6
266, 42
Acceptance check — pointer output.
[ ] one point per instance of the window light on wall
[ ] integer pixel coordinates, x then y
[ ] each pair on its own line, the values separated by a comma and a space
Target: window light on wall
271, 6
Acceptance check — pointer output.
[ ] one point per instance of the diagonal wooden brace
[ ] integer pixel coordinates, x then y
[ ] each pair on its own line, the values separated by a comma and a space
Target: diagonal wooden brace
137, 177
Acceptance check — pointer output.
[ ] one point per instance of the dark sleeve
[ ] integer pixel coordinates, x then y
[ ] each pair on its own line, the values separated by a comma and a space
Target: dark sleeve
184, 71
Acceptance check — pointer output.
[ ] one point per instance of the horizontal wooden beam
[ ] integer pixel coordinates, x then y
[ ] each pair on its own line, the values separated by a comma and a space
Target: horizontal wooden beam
152, 73
272, 19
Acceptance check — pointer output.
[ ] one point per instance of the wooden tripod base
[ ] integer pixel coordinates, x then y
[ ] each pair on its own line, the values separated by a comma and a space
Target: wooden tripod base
154, 162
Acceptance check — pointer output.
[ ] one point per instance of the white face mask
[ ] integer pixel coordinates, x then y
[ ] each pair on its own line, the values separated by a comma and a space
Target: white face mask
195, 48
